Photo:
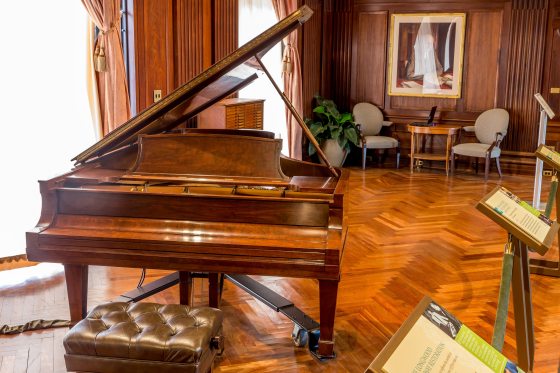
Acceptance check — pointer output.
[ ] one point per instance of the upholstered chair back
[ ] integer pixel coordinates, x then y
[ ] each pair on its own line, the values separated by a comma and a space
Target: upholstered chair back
489, 123
369, 117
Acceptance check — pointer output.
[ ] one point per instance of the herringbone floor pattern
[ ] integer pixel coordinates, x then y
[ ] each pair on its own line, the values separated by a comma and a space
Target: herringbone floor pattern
409, 235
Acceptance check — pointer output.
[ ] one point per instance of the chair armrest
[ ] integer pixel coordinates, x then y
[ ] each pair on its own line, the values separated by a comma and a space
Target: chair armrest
496, 144
360, 134
387, 123
468, 128
492, 146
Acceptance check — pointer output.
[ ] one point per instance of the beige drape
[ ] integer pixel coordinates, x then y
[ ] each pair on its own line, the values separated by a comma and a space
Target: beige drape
292, 77
114, 105
91, 80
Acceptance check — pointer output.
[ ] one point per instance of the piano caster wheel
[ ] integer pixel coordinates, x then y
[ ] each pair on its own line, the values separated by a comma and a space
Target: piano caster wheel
299, 336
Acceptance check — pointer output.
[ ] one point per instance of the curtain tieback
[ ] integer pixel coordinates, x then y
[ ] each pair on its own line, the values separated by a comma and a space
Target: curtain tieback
113, 27
99, 60
287, 65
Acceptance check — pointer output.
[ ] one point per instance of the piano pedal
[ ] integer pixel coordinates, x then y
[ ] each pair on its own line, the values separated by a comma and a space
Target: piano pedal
306, 330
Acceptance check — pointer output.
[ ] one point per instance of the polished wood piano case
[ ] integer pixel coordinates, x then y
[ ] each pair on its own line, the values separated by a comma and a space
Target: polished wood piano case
150, 196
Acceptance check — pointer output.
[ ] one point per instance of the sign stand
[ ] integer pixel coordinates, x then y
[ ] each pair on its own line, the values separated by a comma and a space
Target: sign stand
522, 306
542, 266
523, 238
546, 112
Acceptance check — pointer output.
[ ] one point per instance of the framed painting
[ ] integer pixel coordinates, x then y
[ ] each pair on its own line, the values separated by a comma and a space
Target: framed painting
426, 54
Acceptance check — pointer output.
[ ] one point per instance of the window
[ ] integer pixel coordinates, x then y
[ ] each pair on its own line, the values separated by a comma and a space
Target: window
255, 16
45, 114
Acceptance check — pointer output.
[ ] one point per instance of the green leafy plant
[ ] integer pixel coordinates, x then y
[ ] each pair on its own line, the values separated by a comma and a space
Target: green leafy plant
331, 124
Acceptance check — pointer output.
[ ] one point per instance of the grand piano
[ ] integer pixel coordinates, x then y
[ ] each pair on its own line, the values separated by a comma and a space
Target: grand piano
155, 194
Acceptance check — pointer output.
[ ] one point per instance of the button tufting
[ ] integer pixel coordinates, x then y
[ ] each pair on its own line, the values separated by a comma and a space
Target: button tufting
184, 328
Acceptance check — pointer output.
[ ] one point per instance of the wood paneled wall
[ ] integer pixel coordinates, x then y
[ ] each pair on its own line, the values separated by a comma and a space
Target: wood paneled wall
311, 56
511, 52
552, 58
192, 24
340, 51
226, 19
524, 72
174, 40
152, 49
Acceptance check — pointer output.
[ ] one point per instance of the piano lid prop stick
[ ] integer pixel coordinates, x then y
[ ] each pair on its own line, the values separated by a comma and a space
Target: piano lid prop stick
299, 119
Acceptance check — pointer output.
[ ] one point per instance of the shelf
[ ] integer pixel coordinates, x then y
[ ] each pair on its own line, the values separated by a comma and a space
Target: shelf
429, 156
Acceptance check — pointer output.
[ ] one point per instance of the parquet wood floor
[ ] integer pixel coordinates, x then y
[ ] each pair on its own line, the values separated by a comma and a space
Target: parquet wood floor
409, 235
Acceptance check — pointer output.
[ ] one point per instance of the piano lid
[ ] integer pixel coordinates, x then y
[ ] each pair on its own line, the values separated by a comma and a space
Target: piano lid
217, 82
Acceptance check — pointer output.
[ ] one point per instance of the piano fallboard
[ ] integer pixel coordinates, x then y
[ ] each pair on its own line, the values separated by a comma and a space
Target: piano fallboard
188, 245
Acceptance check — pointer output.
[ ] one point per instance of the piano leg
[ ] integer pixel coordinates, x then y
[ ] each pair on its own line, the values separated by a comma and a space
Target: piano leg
185, 288
213, 290
328, 290
77, 287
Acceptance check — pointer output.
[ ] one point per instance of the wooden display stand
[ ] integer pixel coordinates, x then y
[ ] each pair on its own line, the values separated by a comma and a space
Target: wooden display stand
542, 266
233, 113
524, 239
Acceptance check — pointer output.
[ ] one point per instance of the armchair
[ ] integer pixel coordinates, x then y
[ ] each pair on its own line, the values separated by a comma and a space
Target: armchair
490, 129
369, 120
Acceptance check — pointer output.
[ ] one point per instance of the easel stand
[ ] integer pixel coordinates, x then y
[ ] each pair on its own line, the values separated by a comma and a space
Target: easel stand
515, 277
528, 230
543, 266
522, 306
539, 164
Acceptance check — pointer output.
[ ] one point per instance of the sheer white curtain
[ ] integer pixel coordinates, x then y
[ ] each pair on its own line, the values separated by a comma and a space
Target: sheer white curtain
44, 110
255, 16
425, 56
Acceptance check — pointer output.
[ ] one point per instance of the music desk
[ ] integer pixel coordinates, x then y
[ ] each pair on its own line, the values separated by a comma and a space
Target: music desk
417, 150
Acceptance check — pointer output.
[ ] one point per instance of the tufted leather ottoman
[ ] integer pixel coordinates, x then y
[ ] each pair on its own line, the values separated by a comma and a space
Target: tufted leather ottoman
145, 337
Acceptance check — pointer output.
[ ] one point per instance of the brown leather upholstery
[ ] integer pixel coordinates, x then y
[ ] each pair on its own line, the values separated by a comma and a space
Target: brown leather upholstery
144, 337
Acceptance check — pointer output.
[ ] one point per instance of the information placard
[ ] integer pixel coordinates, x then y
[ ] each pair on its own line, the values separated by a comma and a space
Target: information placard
433, 340
550, 157
519, 218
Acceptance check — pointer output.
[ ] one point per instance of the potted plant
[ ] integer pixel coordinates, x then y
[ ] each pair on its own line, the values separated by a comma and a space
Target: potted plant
333, 130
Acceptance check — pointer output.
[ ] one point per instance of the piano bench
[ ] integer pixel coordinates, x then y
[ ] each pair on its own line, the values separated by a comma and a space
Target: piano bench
145, 337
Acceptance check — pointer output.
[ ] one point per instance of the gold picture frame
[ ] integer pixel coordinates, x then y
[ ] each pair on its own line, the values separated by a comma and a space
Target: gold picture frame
426, 54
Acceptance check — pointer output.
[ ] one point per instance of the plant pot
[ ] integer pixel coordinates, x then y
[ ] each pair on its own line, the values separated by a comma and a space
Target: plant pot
334, 153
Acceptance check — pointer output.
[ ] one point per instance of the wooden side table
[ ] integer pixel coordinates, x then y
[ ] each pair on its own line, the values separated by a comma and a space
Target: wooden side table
416, 151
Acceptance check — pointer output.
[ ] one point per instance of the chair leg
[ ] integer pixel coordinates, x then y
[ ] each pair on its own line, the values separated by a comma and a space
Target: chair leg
487, 167
498, 166
364, 151
452, 162
383, 156
398, 156
379, 156
476, 165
